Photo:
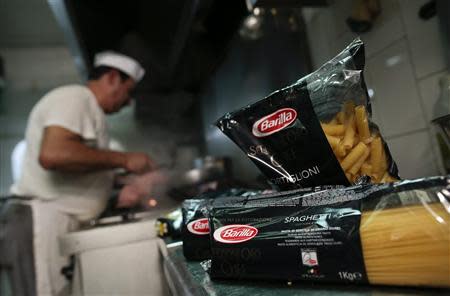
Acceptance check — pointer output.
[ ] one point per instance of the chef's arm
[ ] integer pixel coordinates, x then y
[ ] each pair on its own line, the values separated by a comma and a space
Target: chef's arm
63, 150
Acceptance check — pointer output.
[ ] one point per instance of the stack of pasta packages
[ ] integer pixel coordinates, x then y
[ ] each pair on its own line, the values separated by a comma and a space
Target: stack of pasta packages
390, 234
379, 231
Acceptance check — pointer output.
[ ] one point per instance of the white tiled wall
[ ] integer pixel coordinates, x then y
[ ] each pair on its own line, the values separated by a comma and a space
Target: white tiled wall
412, 154
429, 93
387, 28
393, 64
424, 39
404, 61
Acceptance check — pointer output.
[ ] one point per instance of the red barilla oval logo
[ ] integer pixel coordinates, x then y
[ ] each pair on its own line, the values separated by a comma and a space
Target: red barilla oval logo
274, 122
233, 234
199, 226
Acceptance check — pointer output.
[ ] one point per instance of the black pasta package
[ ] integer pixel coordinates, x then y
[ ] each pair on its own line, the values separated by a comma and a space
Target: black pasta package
195, 226
316, 131
195, 230
386, 234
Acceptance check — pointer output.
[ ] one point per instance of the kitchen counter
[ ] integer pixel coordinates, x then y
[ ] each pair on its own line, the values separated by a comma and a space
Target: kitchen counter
188, 278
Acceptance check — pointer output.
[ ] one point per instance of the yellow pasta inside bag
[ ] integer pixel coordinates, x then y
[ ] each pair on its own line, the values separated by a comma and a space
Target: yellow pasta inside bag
359, 151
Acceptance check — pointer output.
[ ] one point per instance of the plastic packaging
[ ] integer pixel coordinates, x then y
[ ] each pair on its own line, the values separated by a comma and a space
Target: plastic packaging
316, 131
195, 226
387, 234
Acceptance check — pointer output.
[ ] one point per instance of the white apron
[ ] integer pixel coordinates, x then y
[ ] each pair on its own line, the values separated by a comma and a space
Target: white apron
48, 224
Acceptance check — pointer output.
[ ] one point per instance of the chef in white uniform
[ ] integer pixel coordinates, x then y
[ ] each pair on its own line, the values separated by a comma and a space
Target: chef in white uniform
67, 172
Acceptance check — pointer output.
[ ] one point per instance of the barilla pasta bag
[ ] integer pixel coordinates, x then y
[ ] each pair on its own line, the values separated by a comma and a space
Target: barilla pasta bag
381, 234
316, 131
195, 228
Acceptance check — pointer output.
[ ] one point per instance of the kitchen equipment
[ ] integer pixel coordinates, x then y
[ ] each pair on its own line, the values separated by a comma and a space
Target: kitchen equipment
209, 173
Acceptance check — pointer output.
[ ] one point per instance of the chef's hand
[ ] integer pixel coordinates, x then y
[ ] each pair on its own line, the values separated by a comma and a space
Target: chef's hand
128, 198
138, 163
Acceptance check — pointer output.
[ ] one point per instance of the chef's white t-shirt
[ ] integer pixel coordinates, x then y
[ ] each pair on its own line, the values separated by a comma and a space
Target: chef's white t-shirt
83, 195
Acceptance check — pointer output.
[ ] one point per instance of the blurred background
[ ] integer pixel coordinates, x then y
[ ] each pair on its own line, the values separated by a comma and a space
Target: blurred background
205, 58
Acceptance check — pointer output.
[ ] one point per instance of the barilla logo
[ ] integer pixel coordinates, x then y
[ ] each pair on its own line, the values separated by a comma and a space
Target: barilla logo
234, 234
274, 122
199, 226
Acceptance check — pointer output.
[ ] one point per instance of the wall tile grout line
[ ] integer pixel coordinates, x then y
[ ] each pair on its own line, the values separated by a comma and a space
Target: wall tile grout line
420, 79
373, 55
409, 133
421, 99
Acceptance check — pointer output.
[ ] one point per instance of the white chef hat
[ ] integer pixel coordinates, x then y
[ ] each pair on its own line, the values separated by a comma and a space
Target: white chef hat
120, 62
